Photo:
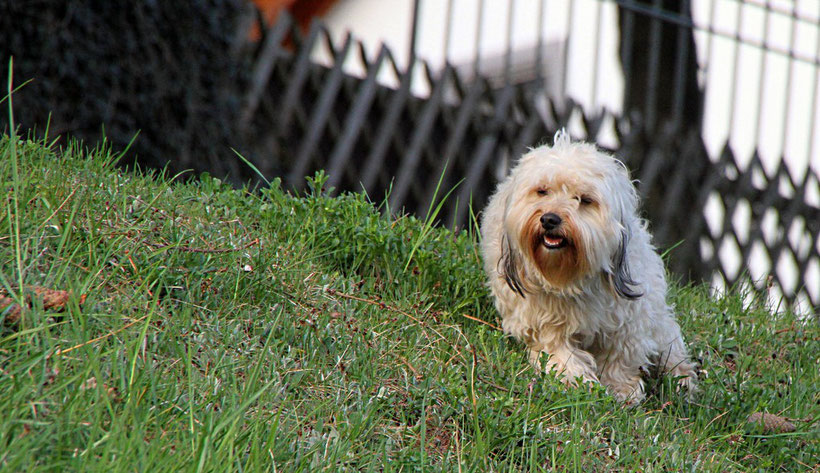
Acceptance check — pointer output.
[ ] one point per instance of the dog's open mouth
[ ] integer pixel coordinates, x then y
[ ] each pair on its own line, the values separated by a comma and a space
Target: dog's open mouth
554, 242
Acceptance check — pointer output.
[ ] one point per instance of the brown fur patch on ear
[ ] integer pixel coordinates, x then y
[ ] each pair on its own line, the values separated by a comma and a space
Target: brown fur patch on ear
559, 267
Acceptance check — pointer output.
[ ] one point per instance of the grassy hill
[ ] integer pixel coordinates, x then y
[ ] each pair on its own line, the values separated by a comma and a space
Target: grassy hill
205, 328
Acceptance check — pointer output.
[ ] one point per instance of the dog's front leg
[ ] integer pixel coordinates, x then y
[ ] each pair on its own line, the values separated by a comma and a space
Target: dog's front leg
568, 361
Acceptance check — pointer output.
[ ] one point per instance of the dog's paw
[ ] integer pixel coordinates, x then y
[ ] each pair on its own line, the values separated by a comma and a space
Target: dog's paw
584, 380
573, 372
689, 384
630, 394
687, 378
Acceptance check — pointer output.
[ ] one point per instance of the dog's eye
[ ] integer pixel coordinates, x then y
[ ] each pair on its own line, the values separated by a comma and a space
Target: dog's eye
586, 200
543, 191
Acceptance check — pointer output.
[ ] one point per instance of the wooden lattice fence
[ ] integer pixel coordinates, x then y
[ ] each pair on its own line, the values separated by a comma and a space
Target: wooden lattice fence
301, 117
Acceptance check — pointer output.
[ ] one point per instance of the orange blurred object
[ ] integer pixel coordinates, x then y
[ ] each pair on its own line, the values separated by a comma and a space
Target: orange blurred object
302, 10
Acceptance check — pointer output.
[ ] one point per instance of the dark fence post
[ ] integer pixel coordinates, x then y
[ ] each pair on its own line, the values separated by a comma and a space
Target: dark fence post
663, 101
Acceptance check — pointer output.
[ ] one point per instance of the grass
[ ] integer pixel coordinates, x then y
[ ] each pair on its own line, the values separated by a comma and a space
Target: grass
214, 329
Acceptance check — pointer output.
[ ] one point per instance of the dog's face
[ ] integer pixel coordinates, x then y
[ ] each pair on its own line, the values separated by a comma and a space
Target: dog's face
565, 214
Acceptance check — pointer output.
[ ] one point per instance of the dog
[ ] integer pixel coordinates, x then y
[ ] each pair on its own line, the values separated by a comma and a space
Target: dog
574, 274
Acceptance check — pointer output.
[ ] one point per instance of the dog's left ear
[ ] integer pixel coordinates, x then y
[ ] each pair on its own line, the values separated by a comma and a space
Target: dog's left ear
508, 264
619, 276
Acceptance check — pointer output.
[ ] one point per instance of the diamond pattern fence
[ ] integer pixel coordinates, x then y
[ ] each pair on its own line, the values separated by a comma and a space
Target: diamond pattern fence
724, 222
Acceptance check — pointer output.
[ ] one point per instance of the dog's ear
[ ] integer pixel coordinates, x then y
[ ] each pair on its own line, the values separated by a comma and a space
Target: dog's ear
619, 276
508, 267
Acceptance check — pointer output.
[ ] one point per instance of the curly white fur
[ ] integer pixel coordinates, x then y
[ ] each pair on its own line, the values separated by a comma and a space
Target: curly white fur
574, 273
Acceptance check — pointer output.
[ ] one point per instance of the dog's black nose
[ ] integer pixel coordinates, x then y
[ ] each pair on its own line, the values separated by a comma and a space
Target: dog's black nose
550, 220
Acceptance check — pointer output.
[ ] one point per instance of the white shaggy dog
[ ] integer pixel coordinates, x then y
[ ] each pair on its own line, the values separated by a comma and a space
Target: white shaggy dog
574, 273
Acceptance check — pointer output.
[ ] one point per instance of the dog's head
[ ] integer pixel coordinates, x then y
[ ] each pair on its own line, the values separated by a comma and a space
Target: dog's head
569, 214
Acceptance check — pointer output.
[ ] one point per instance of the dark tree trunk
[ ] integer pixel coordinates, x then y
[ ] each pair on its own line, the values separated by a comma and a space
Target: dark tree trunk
664, 106
660, 65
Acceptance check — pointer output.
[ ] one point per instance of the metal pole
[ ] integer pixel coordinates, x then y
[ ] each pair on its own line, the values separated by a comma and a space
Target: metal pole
413, 35
539, 50
448, 26
478, 31
813, 112
508, 54
565, 52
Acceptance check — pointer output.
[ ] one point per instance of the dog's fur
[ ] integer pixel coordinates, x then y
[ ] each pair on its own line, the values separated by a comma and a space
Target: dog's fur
589, 291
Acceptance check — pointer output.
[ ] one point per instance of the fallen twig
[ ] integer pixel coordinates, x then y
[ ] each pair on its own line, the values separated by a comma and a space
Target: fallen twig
189, 249
414, 370
481, 321
783, 330
94, 340
381, 304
